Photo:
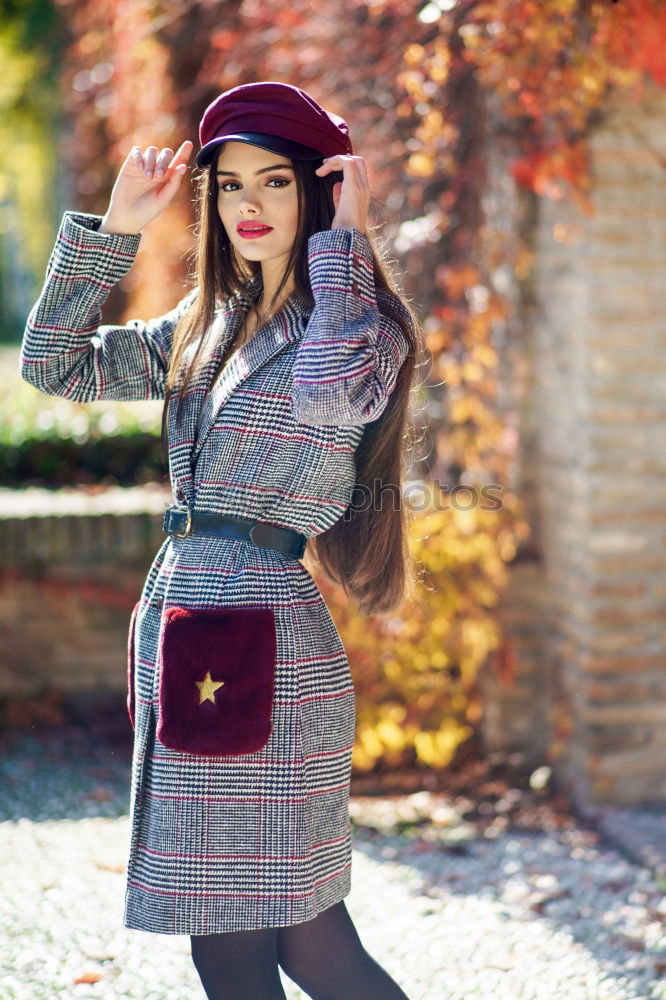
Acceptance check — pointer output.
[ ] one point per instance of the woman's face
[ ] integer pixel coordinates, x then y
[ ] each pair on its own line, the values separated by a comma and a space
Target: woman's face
256, 185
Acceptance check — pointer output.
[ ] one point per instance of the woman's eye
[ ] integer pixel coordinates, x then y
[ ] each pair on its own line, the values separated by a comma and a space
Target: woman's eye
282, 181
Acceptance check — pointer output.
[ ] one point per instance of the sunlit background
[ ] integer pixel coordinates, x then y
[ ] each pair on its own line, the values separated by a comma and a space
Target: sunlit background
516, 154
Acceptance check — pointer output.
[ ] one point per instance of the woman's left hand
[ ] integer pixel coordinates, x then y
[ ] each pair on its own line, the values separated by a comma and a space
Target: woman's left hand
351, 195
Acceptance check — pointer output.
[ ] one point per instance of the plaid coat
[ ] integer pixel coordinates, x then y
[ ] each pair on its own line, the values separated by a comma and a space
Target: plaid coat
262, 839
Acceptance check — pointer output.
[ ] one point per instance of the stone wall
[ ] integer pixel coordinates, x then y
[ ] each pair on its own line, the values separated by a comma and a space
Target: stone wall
72, 565
596, 341
601, 367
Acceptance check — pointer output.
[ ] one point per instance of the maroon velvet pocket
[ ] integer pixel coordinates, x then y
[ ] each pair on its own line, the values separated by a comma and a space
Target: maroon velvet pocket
217, 679
130, 663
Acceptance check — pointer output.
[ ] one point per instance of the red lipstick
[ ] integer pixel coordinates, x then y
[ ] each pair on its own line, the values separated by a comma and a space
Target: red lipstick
253, 230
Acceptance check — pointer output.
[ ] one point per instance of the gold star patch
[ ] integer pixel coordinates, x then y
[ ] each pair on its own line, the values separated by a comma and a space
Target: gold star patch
207, 688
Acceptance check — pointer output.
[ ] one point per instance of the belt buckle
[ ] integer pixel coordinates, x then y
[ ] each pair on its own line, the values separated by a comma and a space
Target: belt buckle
188, 522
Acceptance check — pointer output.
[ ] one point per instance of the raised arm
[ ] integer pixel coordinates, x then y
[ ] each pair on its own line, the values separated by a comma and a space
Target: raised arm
65, 351
350, 355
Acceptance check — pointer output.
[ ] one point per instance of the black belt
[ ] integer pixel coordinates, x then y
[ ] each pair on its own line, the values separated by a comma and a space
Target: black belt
180, 522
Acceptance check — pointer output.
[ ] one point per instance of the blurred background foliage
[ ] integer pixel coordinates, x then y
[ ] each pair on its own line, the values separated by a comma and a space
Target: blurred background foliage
415, 673
48, 441
425, 87
33, 39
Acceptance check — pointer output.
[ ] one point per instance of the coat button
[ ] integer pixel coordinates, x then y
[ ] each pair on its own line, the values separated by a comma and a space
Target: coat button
355, 289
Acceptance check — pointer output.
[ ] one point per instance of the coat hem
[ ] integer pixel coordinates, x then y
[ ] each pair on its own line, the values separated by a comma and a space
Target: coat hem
227, 921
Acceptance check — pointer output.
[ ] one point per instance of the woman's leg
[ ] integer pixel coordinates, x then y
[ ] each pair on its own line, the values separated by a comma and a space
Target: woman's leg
325, 957
239, 965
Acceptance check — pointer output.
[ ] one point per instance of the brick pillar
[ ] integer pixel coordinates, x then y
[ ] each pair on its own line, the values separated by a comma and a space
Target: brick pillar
600, 399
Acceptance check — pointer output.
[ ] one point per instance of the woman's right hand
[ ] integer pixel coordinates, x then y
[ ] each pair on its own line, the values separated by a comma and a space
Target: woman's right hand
144, 187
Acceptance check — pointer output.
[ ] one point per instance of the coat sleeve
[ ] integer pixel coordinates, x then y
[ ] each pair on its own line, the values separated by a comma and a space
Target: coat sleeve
350, 355
65, 352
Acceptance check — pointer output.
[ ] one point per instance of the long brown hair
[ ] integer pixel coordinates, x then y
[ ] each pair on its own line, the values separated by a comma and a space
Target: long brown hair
366, 551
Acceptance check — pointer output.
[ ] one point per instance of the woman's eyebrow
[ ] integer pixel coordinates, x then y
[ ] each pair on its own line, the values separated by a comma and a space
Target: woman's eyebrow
264, 170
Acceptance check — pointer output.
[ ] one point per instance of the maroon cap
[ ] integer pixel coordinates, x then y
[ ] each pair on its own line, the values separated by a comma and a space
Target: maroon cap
253, 111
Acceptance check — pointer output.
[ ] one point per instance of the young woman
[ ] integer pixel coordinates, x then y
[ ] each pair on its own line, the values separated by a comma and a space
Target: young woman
286, 375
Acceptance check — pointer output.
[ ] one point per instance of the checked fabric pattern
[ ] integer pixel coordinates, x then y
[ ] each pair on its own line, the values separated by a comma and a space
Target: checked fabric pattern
222, 843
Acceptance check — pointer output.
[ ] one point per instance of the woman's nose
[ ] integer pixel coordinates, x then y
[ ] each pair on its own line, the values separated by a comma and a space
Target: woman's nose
249, 202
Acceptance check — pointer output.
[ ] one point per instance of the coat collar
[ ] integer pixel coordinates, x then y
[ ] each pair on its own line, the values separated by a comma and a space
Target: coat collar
204, 403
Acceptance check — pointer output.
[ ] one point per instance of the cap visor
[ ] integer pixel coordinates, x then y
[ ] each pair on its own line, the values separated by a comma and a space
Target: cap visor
273, 143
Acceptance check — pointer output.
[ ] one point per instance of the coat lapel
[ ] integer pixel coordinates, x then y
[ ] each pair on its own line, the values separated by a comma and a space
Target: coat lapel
281, 330
182, 432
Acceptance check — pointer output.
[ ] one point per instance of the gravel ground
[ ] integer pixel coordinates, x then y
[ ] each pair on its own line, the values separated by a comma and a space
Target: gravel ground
452, 909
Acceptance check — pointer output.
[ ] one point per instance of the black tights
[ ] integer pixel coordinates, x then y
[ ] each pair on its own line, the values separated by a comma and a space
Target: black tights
324, 956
